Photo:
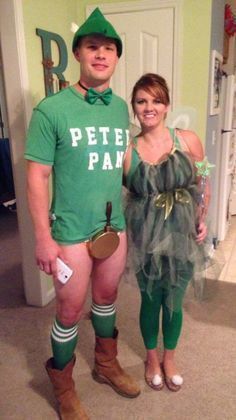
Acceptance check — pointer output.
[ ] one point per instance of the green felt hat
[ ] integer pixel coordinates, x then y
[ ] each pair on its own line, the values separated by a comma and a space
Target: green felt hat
97, 24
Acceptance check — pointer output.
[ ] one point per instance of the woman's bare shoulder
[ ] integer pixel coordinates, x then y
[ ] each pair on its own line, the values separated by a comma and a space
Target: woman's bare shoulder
187, 135
191, 142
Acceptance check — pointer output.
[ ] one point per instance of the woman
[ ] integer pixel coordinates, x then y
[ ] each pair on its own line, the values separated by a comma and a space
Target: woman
165, 216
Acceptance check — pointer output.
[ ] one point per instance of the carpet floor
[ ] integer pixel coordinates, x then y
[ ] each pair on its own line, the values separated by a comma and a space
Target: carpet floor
205, 355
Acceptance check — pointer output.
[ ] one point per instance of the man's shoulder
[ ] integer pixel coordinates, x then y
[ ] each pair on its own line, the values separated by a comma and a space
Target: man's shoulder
55, 100
118, 97
119, 100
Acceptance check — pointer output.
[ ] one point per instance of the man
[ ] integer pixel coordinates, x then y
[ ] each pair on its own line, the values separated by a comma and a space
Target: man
80, 136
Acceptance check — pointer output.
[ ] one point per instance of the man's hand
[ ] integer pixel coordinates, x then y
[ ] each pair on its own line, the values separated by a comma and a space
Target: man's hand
47, 251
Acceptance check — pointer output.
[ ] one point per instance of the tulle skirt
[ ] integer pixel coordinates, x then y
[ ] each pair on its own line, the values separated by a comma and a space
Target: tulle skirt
164, 253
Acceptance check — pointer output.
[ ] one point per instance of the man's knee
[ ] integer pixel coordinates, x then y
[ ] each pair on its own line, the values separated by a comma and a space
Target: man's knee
105, 297
69, 314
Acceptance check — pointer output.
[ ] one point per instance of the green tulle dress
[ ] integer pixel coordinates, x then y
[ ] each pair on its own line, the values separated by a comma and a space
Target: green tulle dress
161, 215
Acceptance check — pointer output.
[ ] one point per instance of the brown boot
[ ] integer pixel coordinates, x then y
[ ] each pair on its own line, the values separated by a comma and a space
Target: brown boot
108, 370
69, 405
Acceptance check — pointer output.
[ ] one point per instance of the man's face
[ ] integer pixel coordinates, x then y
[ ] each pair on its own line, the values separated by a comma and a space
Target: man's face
98, 58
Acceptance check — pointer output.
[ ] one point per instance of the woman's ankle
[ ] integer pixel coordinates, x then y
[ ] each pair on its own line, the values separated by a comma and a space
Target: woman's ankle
169, 363
152, 363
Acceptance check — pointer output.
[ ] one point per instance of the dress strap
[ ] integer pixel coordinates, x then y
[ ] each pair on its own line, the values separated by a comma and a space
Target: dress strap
175, 139
135, 141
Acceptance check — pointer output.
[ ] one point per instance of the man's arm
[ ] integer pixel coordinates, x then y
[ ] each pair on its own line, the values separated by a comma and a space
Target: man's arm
47, 249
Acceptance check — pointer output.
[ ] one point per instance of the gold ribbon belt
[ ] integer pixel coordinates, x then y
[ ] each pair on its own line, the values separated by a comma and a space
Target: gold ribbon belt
167, 199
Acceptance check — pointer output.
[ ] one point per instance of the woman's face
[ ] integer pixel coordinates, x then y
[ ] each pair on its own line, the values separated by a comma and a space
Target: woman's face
149, 110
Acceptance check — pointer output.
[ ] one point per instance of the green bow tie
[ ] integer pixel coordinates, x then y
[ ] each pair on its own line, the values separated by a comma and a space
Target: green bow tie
92, 96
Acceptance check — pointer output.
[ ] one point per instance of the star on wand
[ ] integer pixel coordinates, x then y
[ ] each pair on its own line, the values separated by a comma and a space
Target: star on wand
204, 167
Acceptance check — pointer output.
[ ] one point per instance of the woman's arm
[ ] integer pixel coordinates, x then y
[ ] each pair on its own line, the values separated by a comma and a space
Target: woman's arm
193, 146
127, 160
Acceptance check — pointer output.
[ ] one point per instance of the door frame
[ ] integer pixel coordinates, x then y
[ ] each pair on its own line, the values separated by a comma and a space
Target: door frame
37, 287
133, 6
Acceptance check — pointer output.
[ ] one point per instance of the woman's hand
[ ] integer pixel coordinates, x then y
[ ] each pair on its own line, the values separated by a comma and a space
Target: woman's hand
201, 232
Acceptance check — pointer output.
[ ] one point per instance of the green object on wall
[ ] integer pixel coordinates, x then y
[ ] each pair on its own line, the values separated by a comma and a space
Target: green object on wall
49, 69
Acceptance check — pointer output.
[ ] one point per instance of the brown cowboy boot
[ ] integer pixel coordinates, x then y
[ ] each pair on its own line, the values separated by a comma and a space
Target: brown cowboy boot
69, 406
108, 370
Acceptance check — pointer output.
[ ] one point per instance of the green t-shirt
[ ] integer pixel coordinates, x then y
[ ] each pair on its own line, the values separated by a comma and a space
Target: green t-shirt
85, 144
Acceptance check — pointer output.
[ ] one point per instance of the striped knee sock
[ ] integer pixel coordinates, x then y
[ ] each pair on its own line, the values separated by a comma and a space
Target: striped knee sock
103, 319
63, 340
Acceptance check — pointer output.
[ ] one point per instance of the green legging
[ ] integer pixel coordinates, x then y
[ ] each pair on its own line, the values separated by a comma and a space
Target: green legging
150, 314
149, 321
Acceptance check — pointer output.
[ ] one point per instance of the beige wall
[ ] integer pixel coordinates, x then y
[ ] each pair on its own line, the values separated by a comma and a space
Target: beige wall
195, 64
53, 16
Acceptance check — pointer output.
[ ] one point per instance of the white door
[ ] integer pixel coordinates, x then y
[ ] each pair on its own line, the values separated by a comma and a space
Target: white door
232, 204
148, 47
227, 151
149, 36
